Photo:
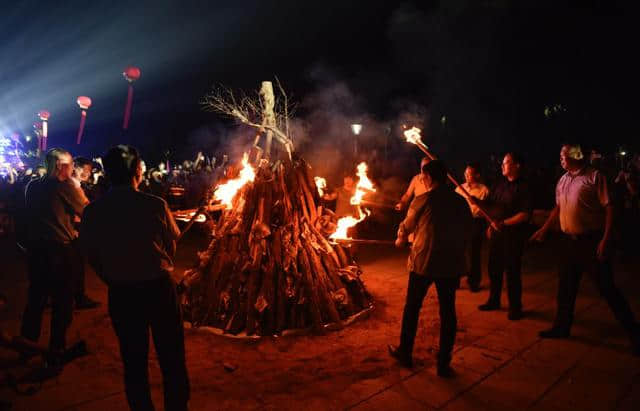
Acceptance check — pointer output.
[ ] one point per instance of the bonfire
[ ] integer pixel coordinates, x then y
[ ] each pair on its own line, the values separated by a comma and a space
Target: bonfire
271, 267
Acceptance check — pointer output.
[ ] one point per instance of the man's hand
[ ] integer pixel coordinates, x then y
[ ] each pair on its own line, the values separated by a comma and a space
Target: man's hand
602, 252
539, 236
497, 225
400, 242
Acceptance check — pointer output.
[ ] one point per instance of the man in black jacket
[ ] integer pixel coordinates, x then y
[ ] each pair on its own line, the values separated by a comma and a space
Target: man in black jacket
440, 220
130, 239
51, 204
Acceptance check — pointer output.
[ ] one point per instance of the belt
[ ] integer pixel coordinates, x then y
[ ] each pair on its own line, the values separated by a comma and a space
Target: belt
583, 236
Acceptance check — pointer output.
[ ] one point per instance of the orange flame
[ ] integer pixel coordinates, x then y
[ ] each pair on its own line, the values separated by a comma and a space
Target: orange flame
321, 185
227, 191
364, 184
413, 135
346, 223
363, 187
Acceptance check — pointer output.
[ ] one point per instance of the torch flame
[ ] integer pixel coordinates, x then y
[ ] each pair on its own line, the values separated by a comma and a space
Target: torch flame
413, 135
363, 187
321, 185
347, 222
364, 184
227, 191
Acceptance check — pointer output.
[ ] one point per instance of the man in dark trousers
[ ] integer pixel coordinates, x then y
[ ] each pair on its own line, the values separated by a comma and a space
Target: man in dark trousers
440, 220
586, 215
51, 204
511, 204
130, 239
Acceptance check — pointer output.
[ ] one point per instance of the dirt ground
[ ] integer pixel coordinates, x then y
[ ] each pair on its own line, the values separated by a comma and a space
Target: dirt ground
339, 370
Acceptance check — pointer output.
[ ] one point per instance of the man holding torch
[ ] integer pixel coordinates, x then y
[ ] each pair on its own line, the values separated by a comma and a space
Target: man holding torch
440, 220
511, 202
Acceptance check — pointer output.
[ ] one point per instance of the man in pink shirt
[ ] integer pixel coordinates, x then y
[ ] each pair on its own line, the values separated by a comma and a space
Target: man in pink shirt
586, 215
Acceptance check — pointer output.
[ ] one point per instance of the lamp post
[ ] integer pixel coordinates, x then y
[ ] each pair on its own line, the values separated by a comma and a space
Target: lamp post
356, 129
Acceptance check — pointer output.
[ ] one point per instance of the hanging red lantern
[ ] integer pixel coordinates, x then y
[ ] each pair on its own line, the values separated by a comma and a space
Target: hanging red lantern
130, 74
84, 102
44, 116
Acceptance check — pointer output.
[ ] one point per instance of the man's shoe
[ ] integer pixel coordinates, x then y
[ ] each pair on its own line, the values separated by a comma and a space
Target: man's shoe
515, 315
445, 371
489, 306
404, 359
86, 303
554, 332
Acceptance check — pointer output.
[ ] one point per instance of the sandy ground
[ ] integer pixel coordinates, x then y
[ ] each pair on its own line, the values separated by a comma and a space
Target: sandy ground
347, 368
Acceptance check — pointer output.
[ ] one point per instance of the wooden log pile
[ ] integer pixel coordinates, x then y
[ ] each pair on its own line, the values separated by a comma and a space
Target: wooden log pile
269, 267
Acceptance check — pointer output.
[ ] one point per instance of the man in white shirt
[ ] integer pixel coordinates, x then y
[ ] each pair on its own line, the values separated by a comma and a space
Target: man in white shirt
586, 214
416, 188
478, 190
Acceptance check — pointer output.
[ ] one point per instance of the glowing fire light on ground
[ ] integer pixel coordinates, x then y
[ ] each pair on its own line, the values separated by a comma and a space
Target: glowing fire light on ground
363, 187
227, 191
321, 185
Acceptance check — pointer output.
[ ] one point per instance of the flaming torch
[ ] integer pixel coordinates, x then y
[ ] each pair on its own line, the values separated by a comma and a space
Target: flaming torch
84, 102
321, 185
413, 136
363, 186
227, 191
44, 116
130, 74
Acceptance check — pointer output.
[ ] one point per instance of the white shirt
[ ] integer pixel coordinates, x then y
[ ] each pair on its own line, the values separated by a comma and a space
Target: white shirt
582, 198
479, 191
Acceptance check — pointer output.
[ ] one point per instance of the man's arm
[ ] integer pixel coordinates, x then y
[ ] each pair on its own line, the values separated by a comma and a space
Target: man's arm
408, 225
74, 197
406, 197
172, 232
541, 233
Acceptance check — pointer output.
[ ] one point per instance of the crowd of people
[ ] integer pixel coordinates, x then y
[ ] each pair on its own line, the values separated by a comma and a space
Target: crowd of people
115, 215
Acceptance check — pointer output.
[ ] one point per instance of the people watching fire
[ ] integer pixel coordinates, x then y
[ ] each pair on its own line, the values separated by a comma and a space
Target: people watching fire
511, 203
474, 187
52, 203
130, 239
440, 221
416, 187
585, 211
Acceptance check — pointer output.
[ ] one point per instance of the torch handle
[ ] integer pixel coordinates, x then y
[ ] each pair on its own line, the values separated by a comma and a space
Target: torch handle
484, 213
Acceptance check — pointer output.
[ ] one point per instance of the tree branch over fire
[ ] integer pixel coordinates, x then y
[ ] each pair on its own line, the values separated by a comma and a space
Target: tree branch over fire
249, 110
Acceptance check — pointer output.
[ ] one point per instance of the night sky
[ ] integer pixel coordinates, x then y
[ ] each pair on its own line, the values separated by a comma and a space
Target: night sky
490, 67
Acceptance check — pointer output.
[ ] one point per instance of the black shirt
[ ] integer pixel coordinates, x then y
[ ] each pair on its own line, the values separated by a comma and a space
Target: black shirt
508, 198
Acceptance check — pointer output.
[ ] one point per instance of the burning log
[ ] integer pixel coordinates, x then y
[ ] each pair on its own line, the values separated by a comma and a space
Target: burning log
270, 267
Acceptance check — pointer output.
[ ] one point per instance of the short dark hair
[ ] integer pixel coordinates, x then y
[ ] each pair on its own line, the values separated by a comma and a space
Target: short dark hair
82, 161
436, 170
121, 164
475, 166
516, 157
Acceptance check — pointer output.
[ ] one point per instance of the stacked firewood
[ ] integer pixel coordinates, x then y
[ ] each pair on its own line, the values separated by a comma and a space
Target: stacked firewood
270, 267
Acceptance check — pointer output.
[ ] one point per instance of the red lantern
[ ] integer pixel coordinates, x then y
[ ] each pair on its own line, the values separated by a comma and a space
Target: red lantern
84, 102
44, 116
130, 74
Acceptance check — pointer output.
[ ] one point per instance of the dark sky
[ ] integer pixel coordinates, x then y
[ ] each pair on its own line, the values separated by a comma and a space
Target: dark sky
490, 66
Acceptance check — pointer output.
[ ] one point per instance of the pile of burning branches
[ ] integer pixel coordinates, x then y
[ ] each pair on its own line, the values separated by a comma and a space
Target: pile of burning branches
268, 268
